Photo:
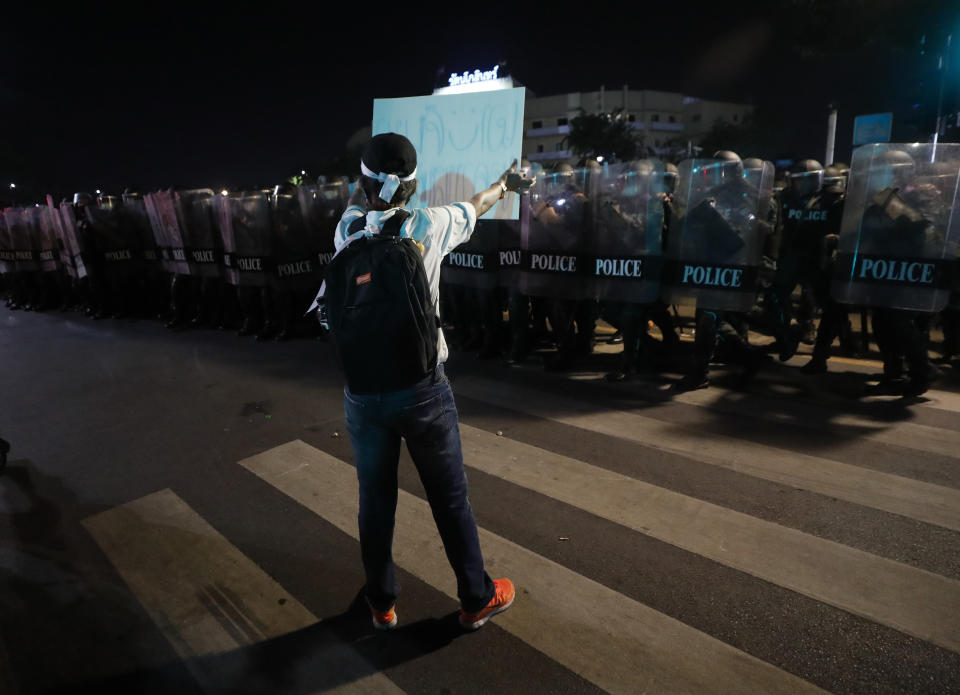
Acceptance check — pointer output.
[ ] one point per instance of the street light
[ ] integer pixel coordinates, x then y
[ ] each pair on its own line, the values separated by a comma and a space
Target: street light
13, 185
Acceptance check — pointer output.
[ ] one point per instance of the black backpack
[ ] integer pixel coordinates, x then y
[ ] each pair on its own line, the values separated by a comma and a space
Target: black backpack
382, 320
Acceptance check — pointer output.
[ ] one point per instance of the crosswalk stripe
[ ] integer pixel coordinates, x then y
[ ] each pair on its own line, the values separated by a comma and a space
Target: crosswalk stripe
934, 440
920, 603
205, 595
942, 400
607, 638
933, 504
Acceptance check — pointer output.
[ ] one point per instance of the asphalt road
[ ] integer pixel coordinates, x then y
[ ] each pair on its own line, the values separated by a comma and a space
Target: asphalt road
179, 515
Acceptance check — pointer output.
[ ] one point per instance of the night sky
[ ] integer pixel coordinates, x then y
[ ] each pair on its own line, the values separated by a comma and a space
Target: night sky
203, 96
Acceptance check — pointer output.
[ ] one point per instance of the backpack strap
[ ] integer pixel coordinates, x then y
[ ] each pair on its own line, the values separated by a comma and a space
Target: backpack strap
390, 228
357, 225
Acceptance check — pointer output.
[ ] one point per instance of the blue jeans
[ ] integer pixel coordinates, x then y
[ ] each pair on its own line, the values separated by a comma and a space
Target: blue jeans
426, 416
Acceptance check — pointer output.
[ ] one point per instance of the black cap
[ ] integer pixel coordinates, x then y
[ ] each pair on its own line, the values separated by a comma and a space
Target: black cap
390, 153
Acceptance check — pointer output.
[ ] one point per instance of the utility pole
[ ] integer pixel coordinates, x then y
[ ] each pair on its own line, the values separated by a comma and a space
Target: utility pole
943, 66
831, 135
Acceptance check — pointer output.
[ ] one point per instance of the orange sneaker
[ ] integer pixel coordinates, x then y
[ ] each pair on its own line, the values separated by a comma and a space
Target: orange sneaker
502, 598
383, 620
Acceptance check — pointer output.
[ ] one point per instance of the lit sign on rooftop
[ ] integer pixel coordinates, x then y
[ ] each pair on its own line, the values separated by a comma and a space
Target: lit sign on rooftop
475, 76
476, 81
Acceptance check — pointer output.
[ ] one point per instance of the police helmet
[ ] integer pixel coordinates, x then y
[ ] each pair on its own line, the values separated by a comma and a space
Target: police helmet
752, 163
806, 177
835, 178
633, 178
898, 162
805, 166
842, 168
727, 156
643, 167
82, 198
893, 168
896, 158
729, 164
563, 174
131, 193
671, 177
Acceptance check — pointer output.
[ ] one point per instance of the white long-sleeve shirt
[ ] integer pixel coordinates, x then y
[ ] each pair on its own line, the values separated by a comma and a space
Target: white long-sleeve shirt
438, 229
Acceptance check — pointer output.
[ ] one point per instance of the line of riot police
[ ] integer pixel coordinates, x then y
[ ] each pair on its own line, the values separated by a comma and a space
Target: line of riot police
618, 242
247, 259
622, 242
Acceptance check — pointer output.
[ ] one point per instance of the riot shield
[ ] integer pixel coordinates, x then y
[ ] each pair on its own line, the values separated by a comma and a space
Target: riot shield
64, 257
71, 240
755, 177
8, 259
899, 234
715, 240
135, 211
167, 228
627, 232
159, 233
295, 250
202, 247
44, 238
18, 225
114, 239
555, 237
509, 245
244, 222
323, 207
475, 263
509, 248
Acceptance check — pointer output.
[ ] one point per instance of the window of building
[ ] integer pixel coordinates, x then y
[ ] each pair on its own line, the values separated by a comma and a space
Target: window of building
631, 117
672, 119
561, 121
559, 147
654, 117
539, 148
536, 124
696, 118
656, 143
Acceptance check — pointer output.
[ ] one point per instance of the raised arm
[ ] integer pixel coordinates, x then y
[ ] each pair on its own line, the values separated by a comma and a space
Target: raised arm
358, 197
509, 181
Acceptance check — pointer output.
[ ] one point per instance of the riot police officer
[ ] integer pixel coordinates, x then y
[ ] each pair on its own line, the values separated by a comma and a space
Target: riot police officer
833, 320
902, 219
802, 228
89, 286
573, 321
716, 225
631, 318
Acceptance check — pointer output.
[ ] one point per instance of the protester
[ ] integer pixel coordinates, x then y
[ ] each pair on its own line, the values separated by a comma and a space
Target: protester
392, 351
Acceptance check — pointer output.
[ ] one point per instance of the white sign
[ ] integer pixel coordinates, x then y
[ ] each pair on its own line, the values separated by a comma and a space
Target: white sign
463, 142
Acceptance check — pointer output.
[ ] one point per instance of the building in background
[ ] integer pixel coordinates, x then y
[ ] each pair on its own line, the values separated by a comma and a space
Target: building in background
671, 123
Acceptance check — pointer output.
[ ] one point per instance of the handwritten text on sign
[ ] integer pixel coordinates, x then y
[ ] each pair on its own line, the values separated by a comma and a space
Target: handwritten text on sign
464, 142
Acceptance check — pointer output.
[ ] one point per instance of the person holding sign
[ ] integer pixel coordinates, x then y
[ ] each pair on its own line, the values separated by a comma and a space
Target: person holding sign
380, 295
